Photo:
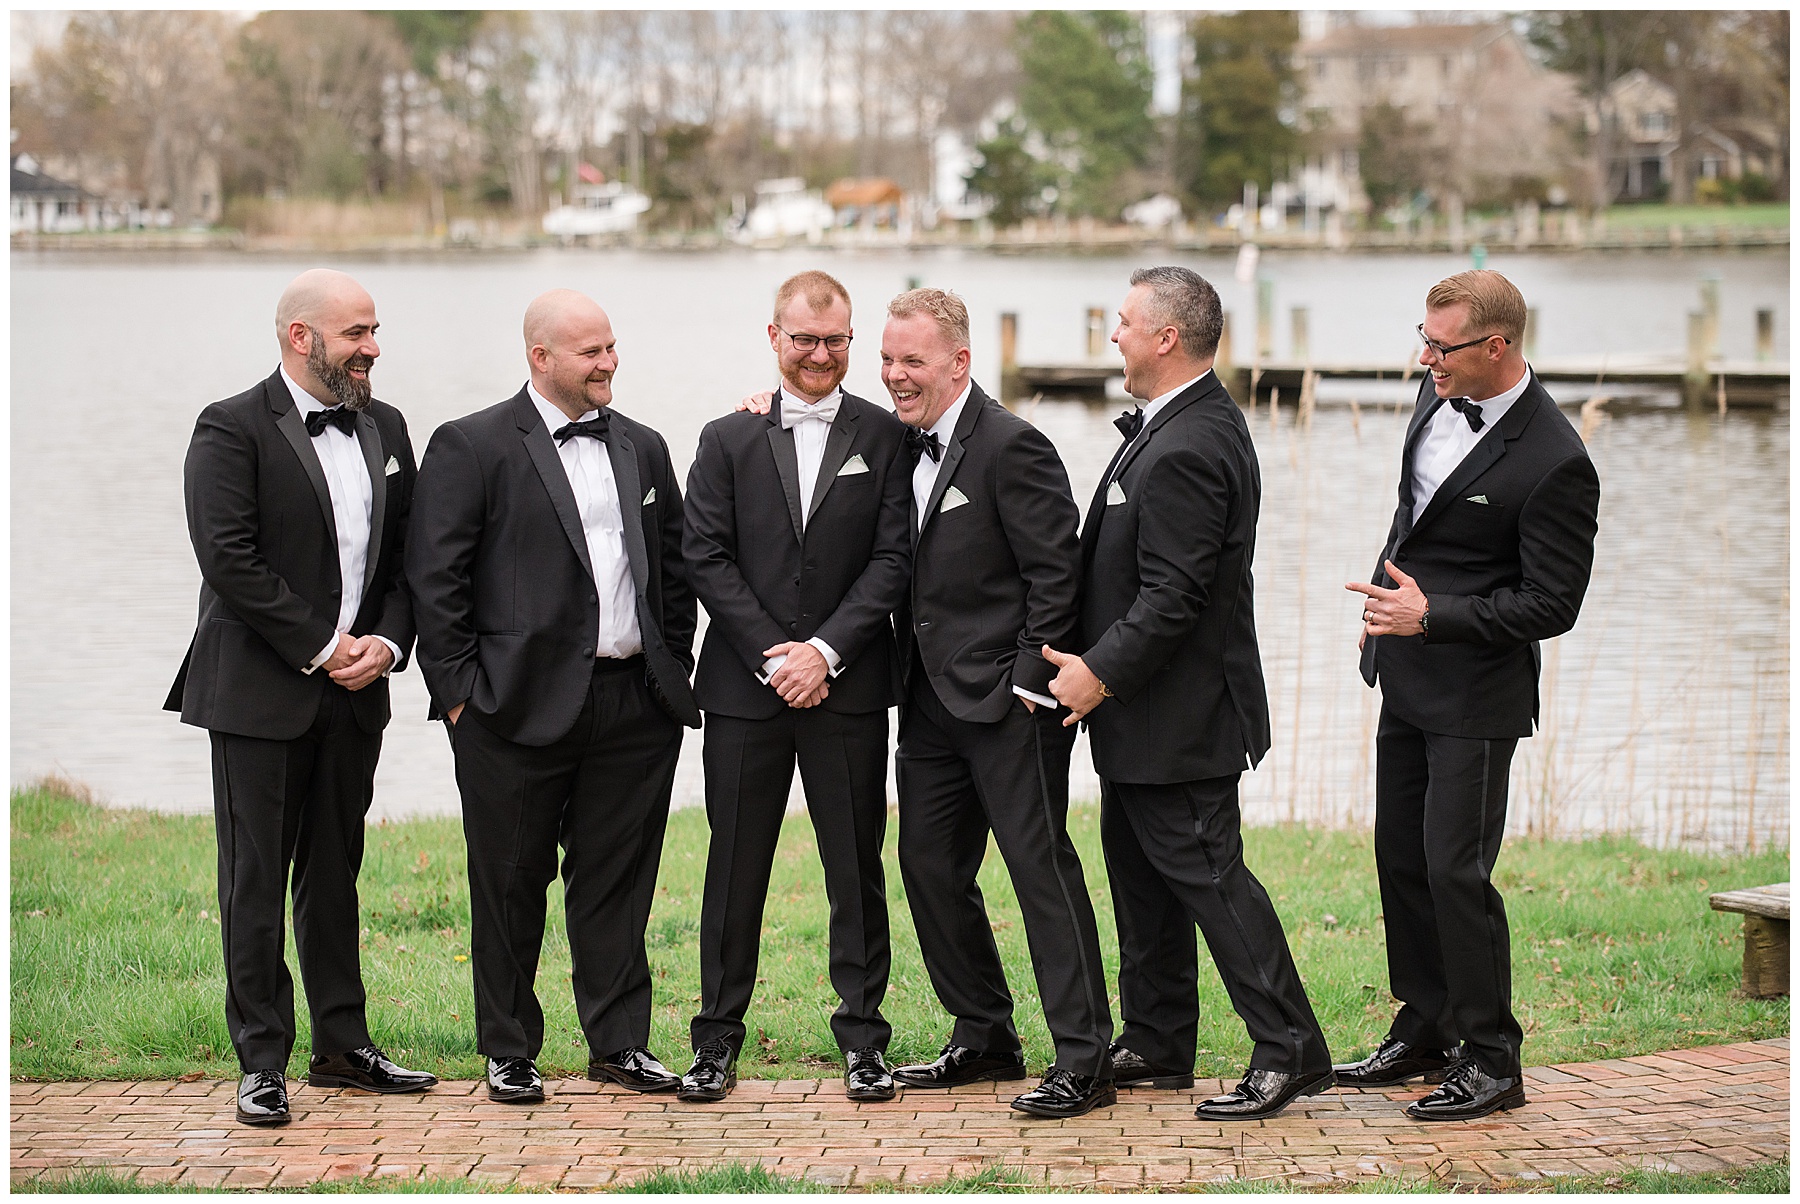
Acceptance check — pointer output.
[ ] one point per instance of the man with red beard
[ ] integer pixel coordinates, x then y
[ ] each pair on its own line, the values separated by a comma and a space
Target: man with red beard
796, 541
297, 495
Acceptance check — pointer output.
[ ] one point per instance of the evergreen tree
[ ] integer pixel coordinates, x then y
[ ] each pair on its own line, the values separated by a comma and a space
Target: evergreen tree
1237, 108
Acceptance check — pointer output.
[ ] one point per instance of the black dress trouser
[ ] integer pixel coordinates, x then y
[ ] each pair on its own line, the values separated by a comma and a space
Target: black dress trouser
1175, 858
749, 769
1440, 811
959, 780
293, 803
602, 792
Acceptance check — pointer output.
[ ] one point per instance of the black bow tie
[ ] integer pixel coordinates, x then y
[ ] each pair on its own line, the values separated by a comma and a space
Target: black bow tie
1468, 409
918, 441
593, 428
1130, 423
342, 417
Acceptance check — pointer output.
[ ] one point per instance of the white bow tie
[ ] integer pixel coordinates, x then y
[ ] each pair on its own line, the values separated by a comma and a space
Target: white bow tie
794, 411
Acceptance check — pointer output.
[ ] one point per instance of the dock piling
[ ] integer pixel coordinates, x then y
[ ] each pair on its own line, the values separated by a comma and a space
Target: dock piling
1009, 355
1765, 334
1096, 331
1265, 318
1302, 334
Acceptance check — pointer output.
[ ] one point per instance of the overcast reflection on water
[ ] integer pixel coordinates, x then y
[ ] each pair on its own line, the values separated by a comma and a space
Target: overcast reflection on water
1665, 711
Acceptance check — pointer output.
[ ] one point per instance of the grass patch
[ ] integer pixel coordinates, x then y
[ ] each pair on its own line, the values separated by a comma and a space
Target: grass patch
104, 1181
117, 974
1659, 216
729, 1178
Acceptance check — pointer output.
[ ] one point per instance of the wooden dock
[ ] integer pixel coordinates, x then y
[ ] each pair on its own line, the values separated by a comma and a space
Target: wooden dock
1746, 383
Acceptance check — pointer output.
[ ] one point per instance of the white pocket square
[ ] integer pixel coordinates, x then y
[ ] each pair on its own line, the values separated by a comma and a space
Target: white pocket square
853, 466
651, 496
393, 466
1480, 499
1114, 495
953, 497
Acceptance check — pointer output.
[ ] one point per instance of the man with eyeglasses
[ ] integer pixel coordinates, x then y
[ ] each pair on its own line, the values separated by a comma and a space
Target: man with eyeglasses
1489, 553
796, 540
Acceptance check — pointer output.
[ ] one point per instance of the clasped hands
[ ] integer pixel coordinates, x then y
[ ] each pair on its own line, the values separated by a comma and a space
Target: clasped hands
358, 661
804, 678
1390, 611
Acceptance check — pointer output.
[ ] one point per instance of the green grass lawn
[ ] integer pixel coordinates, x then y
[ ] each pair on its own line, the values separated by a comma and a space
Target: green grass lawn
1621, 216
116, 969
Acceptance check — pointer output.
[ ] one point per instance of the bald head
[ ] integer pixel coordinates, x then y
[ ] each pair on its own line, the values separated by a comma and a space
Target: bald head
326, 324
570, 347
313, 295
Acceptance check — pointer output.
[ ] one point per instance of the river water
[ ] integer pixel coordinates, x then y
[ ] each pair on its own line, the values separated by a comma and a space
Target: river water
1665, 710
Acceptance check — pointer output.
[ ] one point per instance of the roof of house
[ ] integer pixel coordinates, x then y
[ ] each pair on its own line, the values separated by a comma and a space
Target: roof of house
1402, 39
875, 190
27, 179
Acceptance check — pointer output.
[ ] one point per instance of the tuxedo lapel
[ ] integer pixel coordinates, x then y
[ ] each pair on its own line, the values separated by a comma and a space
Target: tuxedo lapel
1428, 404
623, 455
1481, 457
542, 450
293, 428
965, 426
837, 450
787, 466
368, 435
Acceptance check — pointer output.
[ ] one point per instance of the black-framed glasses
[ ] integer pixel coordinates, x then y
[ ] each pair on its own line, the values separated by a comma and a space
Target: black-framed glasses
810, 342
1443, 351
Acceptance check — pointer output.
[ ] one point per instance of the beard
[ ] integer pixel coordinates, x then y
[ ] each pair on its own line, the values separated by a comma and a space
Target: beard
352, 394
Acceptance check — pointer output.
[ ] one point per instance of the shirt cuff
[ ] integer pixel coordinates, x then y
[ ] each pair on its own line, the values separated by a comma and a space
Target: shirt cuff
393, 648
770, 666
833, 661
1037, 698
324, 654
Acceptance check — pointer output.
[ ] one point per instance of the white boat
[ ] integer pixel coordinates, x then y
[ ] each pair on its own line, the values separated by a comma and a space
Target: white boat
784, 209
594, 209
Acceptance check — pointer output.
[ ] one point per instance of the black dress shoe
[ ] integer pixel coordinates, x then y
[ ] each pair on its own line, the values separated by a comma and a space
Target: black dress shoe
1063, 1093
711, 1077
1263, 1093
635, 1069
1467, 1092
1131, 1070
262, 1098
866, 1075
1395, 1062
514, 1081
366, 1069
958, 1064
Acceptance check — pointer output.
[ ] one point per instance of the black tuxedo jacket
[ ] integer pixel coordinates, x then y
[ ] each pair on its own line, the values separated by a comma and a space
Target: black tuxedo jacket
259, 514
1166, 612
1503, 553
504, 594
995, 577
766, 580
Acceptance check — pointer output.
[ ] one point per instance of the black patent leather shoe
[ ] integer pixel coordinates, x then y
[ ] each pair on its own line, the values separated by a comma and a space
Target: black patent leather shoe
1131, 1070
366, 1069
1395, 1062
1263, 1093
1467, 1092
1063, 1094
262, 1098
635, 1069
711, 1077
514, 1081
866, 1075
958, 1064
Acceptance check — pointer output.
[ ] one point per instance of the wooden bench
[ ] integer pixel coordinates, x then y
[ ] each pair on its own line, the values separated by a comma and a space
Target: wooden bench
1765, 911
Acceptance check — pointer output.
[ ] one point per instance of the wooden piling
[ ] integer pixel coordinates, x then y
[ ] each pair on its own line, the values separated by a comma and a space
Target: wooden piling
1302, 334
1009, 355
1765, 334
1096, 331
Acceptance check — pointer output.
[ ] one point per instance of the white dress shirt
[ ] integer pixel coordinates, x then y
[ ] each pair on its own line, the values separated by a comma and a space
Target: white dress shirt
352, 508
589, 469
1154, 406
925, 475
809, 450
1447, 439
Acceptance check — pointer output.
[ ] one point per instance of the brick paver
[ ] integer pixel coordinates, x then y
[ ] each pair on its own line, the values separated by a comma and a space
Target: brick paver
1701, 1109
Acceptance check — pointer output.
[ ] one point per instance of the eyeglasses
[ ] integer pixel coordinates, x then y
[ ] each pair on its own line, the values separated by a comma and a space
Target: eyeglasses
810, 342
1443, 351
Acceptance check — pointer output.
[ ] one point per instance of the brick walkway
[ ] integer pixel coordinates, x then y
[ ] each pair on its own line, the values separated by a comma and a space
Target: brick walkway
1695, 1109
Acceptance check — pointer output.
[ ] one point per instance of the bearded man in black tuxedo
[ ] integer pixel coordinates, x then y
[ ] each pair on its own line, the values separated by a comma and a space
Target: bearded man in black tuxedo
297, 493
797, 543
555, 635
1489, 553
